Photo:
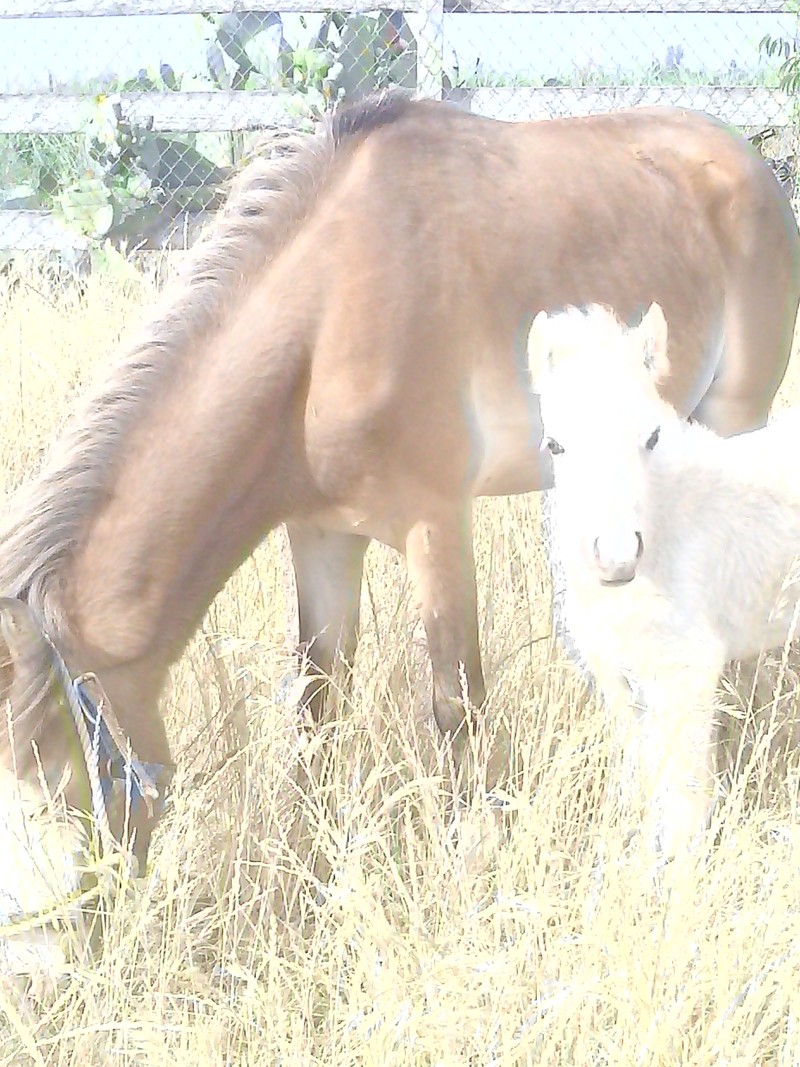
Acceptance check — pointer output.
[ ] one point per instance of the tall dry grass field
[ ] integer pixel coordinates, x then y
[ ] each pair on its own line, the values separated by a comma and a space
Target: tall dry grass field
420, 932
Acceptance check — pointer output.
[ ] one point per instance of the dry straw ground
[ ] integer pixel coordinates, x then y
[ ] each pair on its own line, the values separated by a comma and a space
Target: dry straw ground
438, 937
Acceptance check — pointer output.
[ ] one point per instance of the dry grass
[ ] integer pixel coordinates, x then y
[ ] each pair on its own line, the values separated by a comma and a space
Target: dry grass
437, 936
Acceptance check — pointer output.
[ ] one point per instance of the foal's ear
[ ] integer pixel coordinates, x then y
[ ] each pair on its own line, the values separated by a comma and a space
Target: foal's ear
540, 355
651, 334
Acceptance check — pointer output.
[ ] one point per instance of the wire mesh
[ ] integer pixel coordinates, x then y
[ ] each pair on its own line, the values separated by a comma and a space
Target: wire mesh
118, 131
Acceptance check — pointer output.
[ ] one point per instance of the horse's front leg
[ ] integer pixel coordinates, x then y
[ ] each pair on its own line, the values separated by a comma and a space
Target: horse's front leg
328, 567
442, 570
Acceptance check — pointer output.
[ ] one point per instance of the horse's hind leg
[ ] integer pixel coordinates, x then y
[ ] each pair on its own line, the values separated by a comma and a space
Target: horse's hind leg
759, 320
442, 570
328, 566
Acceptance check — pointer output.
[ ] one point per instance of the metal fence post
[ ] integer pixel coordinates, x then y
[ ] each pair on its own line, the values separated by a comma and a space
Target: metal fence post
430, 40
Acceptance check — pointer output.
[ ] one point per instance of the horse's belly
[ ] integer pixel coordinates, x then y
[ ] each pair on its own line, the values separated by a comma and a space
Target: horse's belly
506, 434
508, 470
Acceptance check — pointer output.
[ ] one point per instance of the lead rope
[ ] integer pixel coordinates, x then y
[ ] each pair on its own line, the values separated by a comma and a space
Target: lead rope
89, 750
91, 758
99, 815
136, 772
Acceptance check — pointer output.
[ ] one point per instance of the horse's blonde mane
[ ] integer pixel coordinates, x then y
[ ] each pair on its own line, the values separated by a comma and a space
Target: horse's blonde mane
44, 520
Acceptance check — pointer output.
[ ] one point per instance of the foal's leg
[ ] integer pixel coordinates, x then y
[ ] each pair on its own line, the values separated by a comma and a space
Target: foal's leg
677, 729
442, 571
328, 568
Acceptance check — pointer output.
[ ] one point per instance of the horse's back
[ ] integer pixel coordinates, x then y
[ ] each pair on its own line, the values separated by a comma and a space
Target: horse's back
440, 233
444, 218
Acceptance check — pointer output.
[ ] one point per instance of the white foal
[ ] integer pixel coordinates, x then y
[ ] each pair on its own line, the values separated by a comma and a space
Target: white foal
678, 548
41, 852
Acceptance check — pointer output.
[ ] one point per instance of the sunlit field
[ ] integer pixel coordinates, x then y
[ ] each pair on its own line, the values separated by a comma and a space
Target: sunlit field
366, 918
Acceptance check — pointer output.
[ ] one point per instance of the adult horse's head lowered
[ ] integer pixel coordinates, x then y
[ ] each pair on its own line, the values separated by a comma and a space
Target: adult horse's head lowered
345, 353
678, 549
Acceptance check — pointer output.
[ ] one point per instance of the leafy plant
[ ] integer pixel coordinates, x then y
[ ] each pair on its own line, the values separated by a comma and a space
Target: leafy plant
789, 70
134, 179
42, 164
310, 67
788, 51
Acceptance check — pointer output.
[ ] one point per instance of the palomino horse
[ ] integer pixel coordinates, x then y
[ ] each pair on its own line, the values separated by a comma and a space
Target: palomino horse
345, 353
679, 549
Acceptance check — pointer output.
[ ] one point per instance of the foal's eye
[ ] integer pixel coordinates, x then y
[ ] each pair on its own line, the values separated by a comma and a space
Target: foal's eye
553, 447
652, 440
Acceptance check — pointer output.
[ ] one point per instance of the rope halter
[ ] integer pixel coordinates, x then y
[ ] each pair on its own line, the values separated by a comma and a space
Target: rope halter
107, 751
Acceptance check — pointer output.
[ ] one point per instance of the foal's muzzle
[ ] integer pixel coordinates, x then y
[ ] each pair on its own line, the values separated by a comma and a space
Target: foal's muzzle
617, 569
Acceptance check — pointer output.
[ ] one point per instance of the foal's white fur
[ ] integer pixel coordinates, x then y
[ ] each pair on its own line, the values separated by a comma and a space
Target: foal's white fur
679, 548
40, 849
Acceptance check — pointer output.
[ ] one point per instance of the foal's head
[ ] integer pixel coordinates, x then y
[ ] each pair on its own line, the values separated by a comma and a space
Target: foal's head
603, 419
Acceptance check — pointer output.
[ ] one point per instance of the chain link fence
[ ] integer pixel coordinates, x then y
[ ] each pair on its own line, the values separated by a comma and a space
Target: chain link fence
120, 120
